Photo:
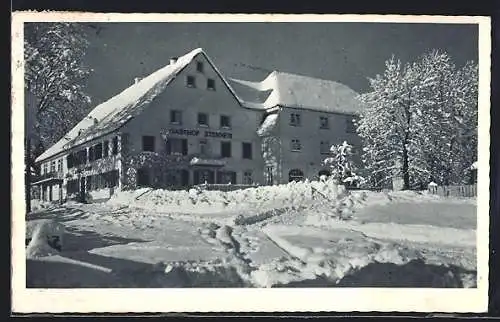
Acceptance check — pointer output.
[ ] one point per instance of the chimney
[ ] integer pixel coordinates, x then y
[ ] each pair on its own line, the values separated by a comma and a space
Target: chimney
136, 80
173, 60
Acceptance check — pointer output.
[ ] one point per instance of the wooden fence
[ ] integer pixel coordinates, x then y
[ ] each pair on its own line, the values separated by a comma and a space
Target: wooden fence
467, 191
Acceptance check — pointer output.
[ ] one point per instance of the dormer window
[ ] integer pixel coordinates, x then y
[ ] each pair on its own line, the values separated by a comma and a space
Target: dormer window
190, 81
199, 67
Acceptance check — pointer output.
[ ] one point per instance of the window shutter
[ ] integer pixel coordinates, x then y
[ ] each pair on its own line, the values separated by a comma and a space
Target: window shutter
184, 147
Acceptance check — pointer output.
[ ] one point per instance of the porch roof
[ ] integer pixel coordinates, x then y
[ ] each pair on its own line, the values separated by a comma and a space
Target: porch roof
47, 180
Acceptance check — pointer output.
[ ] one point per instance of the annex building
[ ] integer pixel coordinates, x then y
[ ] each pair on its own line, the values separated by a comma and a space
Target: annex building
187, 124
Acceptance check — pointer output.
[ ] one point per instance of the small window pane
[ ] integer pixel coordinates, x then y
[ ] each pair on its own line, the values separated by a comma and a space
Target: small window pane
148, 143
225, 121
225, 149
247, 150
199, 67
323, 122
295, 145
190, 81
202, 119
211, 84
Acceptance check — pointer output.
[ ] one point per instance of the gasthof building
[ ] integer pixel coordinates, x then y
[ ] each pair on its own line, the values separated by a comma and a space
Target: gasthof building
187, 124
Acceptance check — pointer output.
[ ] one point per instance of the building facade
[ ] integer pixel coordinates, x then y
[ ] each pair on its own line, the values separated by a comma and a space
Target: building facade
186, 124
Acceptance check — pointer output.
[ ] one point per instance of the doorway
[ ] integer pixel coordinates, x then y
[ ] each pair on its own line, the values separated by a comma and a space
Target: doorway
204, 175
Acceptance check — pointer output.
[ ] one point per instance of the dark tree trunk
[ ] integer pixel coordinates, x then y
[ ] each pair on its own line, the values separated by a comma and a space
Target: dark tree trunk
27, 174
406, 172
406, 140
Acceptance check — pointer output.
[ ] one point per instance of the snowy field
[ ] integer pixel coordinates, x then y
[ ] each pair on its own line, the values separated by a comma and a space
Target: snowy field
310, 234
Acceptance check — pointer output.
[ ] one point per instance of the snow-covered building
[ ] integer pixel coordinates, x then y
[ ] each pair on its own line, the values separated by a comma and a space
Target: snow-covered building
188, 124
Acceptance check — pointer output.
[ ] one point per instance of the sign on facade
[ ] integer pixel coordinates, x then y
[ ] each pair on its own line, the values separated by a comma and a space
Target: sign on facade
193, 132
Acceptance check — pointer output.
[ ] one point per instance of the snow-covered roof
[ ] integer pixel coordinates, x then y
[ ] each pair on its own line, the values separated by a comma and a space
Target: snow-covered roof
278, 88
115, 112
297, 91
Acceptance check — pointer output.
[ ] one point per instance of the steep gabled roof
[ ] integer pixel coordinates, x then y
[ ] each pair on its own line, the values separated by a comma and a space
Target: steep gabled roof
304, 92
115, 112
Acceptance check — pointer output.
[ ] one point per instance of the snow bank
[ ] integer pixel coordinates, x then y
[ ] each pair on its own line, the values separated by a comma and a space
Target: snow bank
250, 205
346, 257
46, 238
37, 205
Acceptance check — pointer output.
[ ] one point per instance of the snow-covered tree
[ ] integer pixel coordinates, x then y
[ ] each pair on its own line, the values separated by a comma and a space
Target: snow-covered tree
341, 165
55, 76
420, 121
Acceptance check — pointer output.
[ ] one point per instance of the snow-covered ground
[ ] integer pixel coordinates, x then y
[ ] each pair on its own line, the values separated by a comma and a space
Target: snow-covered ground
300, 234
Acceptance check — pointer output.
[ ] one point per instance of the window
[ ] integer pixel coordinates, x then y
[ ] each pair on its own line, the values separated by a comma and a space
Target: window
247, 177
295, 119
105, 149
226, 177
324, 147
203, 176
295, 175
91, 154
52, 166
176, 146
202, 119
247, 150
323, 122
350, 127
45, 168
143, 178
199, 67
176, 117
204, 147
59, 165
211, 84
295, 145
190, 81
225, 149
69, 161
225, 121
148, 143
115, 145
98, 151
80, 157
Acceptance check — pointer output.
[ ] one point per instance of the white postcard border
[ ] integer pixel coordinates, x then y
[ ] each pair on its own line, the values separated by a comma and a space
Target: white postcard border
244, 300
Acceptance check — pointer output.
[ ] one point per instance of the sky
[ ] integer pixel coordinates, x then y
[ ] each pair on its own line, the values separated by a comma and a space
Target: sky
348, 53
